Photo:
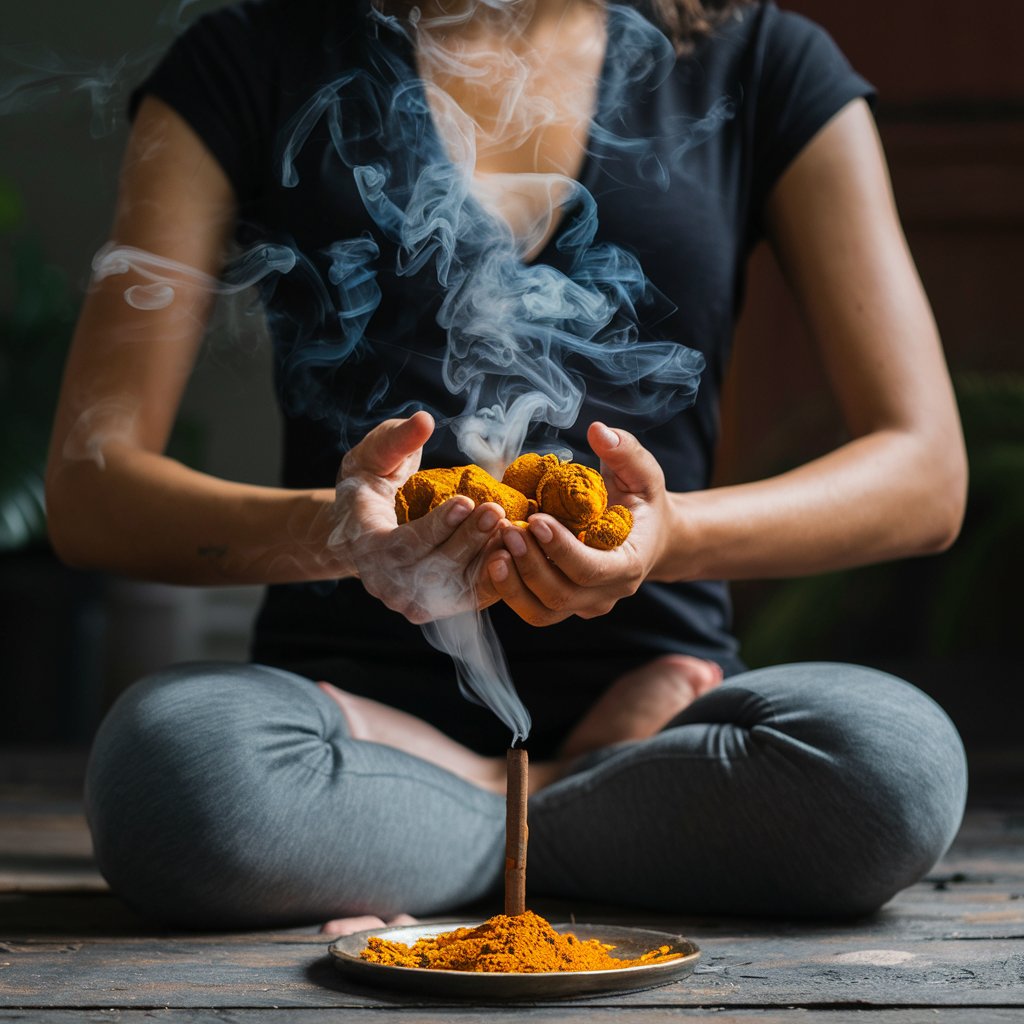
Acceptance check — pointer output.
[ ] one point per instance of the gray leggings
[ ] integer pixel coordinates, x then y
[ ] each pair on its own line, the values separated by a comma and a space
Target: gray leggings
231, 796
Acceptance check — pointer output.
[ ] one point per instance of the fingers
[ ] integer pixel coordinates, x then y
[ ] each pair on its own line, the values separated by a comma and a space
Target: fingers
470, 540
535, 587
545, 574
457, 529
583, 566
509, 586
388, 445
632, 467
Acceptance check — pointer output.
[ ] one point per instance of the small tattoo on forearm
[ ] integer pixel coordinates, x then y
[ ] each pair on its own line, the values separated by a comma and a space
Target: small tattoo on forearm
213, 551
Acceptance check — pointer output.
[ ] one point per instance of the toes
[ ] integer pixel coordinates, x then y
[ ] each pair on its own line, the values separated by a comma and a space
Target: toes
701, 675
351, 925
708, 677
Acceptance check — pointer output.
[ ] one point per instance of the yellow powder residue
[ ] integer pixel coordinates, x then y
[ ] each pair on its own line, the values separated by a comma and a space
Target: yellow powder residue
523, 944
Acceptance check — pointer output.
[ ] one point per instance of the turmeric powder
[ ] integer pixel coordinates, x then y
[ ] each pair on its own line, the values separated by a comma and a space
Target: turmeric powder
573, 494
523, 944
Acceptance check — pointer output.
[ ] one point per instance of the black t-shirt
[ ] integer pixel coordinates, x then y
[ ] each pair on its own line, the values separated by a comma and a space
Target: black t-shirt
315, 113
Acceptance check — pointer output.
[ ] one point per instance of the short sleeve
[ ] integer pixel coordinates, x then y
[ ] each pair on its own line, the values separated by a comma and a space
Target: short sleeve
217, 76
805, 80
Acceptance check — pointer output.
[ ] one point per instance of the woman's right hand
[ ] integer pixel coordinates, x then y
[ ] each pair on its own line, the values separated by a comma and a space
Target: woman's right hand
427, 569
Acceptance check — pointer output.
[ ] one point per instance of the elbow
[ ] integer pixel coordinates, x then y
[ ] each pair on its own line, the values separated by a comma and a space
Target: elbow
64, 527
63, 540
943, 534
946, 501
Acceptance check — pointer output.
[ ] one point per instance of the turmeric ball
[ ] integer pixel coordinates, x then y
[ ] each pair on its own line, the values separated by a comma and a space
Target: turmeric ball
525, 472
574, 494
609, 529
424, 491
479, 485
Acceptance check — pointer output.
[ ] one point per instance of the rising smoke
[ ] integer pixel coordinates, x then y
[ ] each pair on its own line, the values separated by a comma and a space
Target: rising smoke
525, 342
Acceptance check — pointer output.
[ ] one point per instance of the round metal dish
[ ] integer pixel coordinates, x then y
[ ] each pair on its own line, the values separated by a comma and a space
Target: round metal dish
629, 943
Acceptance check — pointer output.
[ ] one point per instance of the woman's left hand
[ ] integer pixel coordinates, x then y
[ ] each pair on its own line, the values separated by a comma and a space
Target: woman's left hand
545, 574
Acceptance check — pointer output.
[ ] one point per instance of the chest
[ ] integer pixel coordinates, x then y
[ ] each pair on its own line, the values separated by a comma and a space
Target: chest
515, 115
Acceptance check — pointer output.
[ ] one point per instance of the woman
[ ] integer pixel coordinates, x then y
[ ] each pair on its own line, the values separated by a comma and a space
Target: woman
225, 795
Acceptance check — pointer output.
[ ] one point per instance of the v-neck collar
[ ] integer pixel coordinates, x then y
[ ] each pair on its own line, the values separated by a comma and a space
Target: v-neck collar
389, 28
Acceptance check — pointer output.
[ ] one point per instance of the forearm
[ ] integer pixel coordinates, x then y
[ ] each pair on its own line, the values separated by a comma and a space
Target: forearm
147, 516
889, 494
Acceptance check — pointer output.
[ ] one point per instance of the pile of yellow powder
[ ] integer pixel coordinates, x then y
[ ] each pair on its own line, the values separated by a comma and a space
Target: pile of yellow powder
524, 944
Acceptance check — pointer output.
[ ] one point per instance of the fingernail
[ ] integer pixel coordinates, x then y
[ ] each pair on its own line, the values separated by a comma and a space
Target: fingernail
498, 570
488, 520
541, 531
608, 436
457, 513
514, 542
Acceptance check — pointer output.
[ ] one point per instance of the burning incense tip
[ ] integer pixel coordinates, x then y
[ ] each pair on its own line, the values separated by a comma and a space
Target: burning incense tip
516, 831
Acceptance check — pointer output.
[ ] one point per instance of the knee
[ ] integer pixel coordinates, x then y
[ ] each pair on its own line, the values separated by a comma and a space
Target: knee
174, 764
882, 778
185, 726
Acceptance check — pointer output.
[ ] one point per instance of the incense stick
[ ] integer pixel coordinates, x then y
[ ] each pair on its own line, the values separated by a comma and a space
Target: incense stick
516, 831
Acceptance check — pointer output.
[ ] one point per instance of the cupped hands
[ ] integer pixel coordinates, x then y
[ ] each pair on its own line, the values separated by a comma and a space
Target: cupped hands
545, 574
424, 570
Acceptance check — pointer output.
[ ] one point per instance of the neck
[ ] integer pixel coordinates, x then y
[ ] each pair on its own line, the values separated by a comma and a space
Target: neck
528, 18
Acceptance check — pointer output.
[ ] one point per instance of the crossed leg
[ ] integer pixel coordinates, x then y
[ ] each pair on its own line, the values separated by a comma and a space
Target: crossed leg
234, 796
635, 707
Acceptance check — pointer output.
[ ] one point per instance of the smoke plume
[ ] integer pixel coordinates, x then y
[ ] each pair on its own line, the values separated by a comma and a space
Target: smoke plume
526, 342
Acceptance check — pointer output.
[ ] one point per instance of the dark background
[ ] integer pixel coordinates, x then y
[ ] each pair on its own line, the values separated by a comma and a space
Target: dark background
951, 113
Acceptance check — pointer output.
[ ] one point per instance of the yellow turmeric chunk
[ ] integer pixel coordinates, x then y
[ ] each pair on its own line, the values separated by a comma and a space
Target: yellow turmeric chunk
574, 494
525, 472
424, 491
610, 529
479, 485
524, 943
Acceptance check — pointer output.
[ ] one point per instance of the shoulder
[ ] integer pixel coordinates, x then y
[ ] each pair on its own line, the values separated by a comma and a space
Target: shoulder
787, 78
260, 36
759, 39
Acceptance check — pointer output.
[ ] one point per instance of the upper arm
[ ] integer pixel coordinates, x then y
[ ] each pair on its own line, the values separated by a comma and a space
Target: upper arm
832, 221
128, 366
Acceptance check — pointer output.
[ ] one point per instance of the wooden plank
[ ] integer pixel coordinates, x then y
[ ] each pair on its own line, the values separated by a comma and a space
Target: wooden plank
945, 907
951, 940
781, 970
45, 846
534, 1015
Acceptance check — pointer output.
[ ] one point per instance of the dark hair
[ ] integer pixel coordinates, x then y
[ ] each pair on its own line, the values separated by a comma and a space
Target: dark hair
683, 21
686, 21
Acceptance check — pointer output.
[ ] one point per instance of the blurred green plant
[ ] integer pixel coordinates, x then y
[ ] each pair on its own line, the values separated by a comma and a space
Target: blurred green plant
962, 602
35, 329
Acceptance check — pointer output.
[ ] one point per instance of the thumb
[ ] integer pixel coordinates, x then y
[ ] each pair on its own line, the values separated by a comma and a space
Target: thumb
388, 445
631, 466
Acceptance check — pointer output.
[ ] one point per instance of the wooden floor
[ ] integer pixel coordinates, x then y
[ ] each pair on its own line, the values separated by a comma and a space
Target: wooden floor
949, 950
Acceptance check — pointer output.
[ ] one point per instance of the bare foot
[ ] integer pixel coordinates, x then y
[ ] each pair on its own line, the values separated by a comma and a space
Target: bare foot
642, 702
351, 925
